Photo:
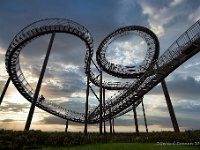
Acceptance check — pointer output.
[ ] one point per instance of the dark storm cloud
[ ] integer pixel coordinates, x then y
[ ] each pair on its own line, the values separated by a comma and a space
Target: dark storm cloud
162, 121
35, 71
188, 107
157, 4
179, 87
93, 14
189, 123
13, 107
170, 16
7, 120
183, 107
66, 48
63, 83
100, 18
75, 105
104, 16
69, 50
54, 120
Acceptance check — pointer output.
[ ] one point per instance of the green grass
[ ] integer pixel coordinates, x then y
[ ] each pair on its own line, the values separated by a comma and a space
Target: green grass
125, 146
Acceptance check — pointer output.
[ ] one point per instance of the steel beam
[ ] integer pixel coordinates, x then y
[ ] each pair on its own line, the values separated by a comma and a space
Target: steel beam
100, 104
87, 94
113, 125
170, 107
110, 121
104, 104
37, 90
145, 120
66, 127
4, 90
136, 121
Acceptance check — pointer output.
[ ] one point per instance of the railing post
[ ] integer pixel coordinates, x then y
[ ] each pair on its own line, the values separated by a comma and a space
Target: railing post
188, 36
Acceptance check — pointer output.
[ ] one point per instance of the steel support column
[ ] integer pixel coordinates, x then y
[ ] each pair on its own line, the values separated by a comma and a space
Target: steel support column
135, 118
104, 103
66, 127
100, 103
170, 107
113, 125
87, 95
110, 121
145, 120
4, 90
86, 106
37, 90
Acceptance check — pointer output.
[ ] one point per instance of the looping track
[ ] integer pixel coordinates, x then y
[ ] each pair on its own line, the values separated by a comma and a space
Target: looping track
32, 32
127, 71
155, 70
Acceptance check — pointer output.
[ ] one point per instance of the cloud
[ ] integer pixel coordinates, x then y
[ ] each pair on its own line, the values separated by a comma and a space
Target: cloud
63, 84
175, 2
164, 15
157, 17
164, 122
54, 120
195, 16
13, 107
128, 12
7, 120
65, 80
127, 50
180, 88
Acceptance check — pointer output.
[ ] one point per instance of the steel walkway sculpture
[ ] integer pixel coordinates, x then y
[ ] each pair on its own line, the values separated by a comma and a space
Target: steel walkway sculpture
145, 77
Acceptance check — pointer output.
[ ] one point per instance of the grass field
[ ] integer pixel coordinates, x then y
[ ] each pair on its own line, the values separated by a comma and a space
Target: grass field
126, 146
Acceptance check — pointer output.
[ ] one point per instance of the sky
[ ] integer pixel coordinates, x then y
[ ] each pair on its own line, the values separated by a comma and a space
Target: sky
65, 82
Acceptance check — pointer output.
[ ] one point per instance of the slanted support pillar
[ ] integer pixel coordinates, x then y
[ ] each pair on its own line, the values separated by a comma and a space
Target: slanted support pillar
110, 121
145, 120
100, 104
87, 94
37, 90
104, 103
136, 121
170, 107
66, 128
4, 90
86, 105
113, 125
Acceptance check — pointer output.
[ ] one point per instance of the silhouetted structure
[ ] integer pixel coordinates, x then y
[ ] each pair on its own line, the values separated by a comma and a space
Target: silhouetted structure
146, 76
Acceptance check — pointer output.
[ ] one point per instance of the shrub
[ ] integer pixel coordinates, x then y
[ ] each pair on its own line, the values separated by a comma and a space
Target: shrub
36, 139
